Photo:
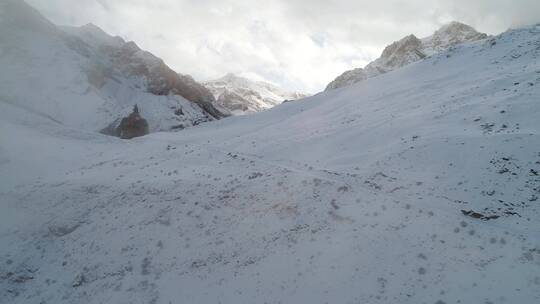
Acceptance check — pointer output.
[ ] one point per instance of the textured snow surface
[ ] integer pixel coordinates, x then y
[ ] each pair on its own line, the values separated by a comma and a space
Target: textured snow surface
408, 50
239, 95
350, 196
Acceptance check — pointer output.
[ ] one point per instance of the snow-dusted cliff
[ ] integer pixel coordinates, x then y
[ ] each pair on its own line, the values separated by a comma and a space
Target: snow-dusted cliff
240, 95
85, 78
408, 50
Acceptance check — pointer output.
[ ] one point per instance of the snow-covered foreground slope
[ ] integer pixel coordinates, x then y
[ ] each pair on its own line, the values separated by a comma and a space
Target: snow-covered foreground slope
351, 196
239, 95
85, 78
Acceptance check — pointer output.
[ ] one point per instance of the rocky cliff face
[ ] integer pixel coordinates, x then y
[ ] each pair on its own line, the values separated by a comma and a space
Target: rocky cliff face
400, 53
87, 79
135, 63
408, 50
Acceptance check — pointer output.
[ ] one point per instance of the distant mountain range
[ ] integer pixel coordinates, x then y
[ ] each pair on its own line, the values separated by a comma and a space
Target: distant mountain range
238, 95
408, 50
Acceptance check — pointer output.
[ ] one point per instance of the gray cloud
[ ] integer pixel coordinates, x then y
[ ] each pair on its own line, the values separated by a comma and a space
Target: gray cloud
300, 44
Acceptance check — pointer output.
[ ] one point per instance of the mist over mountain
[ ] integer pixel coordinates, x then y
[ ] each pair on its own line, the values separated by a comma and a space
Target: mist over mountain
84, 78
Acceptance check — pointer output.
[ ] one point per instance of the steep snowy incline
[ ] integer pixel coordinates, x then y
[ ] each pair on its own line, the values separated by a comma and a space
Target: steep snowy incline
84, 78
239, 95
423, 191
408, 50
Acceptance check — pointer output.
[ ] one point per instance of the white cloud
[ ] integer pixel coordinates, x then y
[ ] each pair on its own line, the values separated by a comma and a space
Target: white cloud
299, 44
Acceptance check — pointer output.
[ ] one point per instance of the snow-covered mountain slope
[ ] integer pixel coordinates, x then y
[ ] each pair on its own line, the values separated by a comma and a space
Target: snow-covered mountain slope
240, 95
350, 196
84, 78
408, 50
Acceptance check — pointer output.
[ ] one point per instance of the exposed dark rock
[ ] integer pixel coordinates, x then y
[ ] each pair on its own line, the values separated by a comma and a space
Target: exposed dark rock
79, 280
129, 127
178, 112
111, 128
178, 127
132, 126
478, 215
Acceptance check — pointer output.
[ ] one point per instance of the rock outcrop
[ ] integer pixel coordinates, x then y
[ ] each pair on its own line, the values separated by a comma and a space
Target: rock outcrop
128, 127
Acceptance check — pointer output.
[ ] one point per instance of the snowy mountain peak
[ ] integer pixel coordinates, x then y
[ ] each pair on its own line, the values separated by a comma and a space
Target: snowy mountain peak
239, 95
455, 28
408, 50
233, 79
449, 35
90, 27
407, 44
401, 53
94, 35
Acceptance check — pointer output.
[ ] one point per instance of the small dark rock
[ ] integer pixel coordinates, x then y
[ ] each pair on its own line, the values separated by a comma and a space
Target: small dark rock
472, 214
79, 280
179, 112
478, 215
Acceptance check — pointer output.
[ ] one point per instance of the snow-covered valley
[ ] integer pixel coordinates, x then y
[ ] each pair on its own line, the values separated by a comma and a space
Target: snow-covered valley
420, 185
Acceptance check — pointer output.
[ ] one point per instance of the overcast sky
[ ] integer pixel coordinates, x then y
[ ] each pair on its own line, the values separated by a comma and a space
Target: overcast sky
299, 44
